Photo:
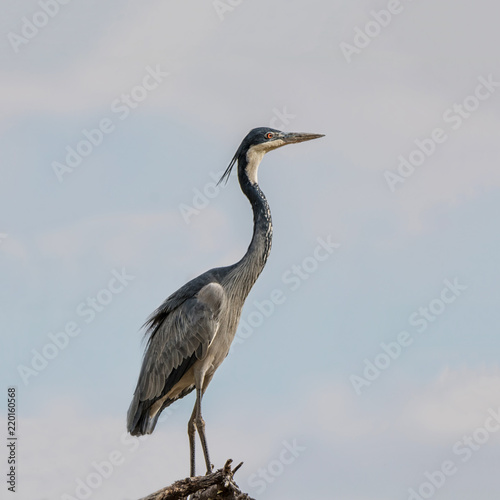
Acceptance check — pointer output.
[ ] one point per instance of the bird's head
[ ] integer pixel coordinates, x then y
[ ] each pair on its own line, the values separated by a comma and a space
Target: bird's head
257, 143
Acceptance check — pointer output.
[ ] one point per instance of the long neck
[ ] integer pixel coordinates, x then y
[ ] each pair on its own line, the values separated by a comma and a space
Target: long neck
248, 269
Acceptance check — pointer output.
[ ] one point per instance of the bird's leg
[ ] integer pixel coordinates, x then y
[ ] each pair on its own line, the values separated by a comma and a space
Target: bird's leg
191, 433
200, 425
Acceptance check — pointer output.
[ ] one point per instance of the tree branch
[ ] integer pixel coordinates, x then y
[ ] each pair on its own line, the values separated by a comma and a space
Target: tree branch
214, 486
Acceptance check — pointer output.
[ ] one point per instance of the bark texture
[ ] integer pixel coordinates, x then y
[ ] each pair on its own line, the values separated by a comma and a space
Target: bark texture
218, 485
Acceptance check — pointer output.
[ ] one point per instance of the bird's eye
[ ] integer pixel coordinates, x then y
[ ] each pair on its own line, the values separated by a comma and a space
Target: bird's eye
269, 135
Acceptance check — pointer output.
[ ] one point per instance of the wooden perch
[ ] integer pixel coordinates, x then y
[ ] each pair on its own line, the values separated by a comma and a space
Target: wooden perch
214, 486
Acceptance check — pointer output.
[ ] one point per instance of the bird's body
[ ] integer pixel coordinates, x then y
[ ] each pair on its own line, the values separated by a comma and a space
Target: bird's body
190, 334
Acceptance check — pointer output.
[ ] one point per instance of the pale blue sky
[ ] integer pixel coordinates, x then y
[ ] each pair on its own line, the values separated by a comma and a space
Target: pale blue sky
120, 211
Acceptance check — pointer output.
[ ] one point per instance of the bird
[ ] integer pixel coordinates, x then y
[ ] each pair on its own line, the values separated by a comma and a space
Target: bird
190, 333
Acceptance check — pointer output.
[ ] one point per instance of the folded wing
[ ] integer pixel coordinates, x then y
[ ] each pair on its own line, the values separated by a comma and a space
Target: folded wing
177, 338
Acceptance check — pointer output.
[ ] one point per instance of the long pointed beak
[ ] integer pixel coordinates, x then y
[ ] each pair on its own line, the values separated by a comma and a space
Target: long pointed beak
293, 137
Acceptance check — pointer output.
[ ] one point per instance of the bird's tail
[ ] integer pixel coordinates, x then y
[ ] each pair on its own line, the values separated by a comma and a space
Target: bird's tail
139, 419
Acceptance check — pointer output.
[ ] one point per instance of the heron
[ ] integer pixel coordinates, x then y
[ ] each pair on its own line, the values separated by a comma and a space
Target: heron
190, 333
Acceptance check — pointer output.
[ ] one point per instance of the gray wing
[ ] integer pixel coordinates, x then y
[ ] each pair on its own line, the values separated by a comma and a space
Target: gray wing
178, 338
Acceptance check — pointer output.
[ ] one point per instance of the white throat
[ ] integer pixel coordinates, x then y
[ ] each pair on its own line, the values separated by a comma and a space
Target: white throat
255, 155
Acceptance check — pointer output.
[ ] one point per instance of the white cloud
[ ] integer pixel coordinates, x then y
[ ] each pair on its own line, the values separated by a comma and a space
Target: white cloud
161, 33
126, 239
455, 403
71, 441
61, 446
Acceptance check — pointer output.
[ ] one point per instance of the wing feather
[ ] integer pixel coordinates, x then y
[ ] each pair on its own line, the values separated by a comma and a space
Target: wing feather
177, 339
